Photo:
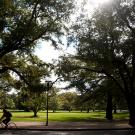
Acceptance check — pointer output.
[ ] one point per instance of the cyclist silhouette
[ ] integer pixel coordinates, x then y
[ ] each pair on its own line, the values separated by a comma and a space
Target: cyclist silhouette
6, 117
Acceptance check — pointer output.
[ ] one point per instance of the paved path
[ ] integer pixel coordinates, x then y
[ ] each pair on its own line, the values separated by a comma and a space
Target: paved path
74, 125
80, 132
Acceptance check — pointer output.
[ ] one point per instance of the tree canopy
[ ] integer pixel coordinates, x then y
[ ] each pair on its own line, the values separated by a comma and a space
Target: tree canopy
24, 23
105, 46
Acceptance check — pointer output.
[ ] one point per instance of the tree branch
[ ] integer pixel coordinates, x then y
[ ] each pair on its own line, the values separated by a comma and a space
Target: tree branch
103, 72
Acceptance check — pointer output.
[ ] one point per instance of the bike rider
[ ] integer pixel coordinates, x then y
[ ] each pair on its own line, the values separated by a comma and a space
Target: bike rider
6, 117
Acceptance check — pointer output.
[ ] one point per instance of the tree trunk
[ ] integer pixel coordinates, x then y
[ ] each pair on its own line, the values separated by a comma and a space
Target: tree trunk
131, 107
132, 117
88, 110
109, 107
81, 109
35, 113
115, 109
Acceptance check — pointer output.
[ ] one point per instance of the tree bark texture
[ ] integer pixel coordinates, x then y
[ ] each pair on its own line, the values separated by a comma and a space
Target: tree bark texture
109, 115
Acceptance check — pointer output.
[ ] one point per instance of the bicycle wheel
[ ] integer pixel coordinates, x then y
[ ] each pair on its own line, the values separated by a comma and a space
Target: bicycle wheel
2, 125
12, 125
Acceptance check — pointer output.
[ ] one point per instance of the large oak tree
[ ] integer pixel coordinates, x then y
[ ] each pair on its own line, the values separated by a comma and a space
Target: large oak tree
25, 23
106, 46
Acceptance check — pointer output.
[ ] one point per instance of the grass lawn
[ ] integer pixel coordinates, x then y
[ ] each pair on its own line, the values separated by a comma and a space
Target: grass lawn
63, 116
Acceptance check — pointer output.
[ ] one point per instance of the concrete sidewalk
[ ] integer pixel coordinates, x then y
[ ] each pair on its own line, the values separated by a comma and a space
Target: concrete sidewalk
74, 125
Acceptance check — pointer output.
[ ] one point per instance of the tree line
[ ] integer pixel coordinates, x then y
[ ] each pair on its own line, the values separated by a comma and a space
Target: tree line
67, 101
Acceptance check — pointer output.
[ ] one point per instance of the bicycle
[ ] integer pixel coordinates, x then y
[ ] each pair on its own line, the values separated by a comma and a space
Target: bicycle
10, 125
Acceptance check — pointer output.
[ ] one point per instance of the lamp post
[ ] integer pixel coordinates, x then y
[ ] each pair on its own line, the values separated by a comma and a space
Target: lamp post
48, 87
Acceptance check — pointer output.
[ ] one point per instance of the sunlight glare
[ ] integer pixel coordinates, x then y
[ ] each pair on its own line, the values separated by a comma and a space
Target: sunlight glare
96, 3
91, 5
101, 1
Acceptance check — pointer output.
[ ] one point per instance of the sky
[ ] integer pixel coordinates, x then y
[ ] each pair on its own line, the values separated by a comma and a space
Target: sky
47, 53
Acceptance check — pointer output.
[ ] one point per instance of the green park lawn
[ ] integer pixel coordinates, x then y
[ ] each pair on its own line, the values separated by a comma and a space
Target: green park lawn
64, 116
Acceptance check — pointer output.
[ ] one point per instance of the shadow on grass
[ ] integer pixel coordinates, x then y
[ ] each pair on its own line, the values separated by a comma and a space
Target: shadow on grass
66, 116
26, 116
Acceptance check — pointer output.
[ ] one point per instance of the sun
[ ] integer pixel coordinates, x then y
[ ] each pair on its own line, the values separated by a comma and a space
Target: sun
91, 5
97, 2
101, 1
